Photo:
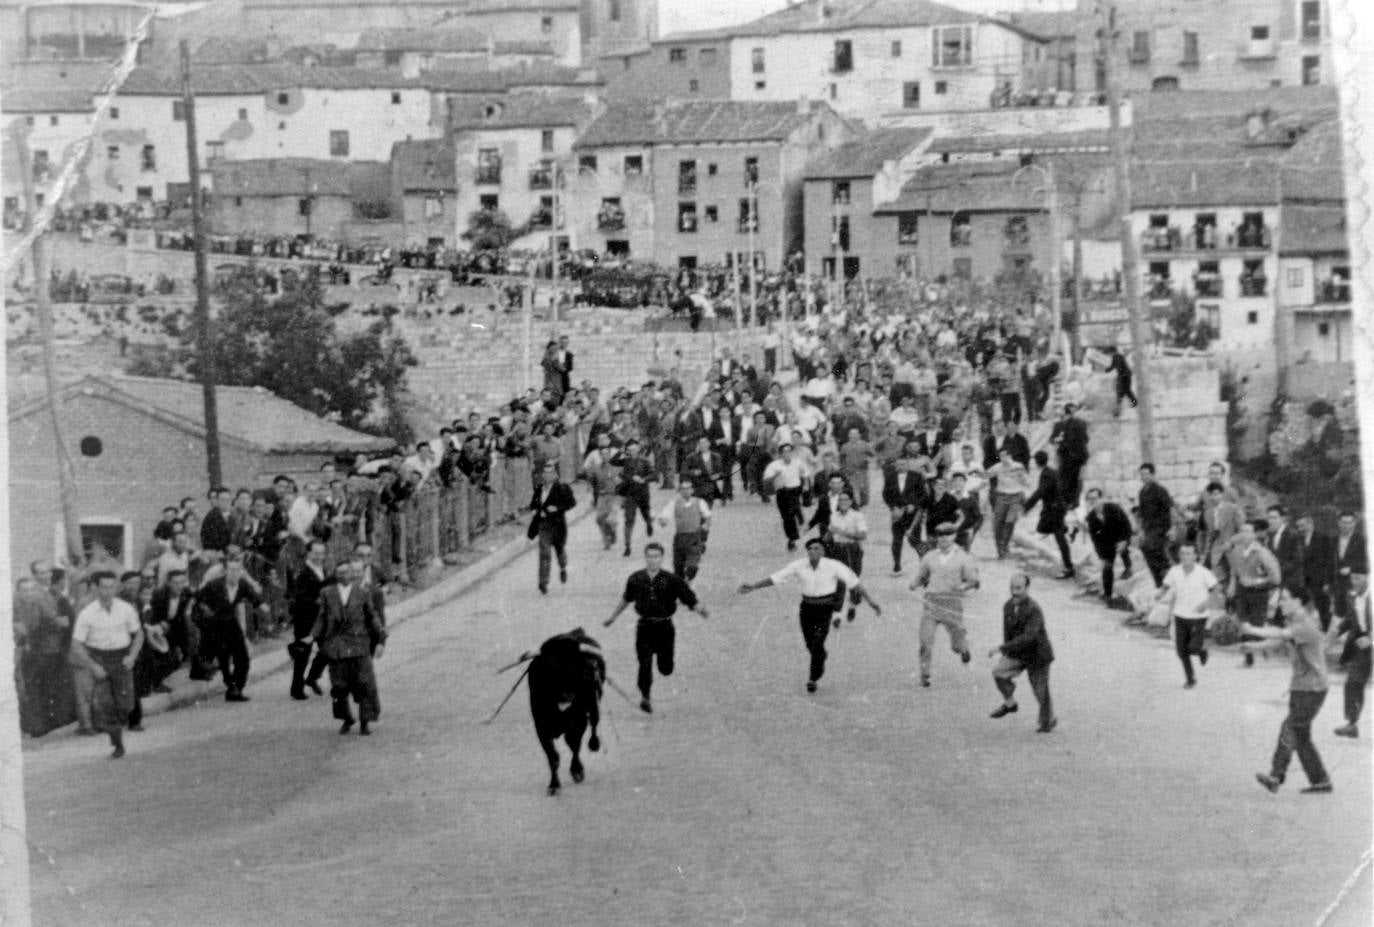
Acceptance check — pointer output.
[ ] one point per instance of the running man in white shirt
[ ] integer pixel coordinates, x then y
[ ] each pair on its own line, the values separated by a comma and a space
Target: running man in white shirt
788, 478
820, 579
1189, 585
690, 518
844, 542
106, 640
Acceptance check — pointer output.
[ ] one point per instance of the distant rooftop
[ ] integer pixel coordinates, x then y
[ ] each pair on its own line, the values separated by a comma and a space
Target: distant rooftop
520, 111
293, 176
648, 123
425, 165
838, 15
866, 155
46, 100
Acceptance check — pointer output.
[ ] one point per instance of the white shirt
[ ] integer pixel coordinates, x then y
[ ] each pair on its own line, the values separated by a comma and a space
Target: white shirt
809, 418
301, 516
345, 592
785, 474
668, 515
851, 523
821, 580
100, 629
1191, 590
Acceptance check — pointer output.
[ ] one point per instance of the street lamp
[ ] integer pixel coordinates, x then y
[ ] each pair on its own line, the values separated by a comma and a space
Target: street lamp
1051, 192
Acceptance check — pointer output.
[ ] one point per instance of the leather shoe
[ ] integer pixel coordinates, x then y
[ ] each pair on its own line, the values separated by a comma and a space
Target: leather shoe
645, 706
363, 730
1347, 730
811, 685
346, 726
235, 696
1190, 684
135, 727
966, 656
1047, 726
1001, 711
1271, 783
562, 575
314, 685
543, 589
1318, 788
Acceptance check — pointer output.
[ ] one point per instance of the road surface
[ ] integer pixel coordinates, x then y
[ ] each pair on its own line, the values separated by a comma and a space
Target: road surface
741, 801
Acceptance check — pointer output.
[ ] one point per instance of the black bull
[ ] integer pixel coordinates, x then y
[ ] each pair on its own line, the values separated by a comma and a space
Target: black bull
566, 677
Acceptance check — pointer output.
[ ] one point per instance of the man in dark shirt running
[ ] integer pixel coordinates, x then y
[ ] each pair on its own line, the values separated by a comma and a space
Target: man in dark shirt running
1156, 514
654, 592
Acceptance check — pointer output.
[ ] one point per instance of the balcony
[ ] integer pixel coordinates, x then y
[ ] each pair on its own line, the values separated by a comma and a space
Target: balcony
1204, 237
488, 174
610, 219
1249, 236
1160, 238
1207, 284
960, 236
541, 219
1138, 55
1254, 285
748, 224
1158, 287
687, 223
1334, 290
687, 185
541, 178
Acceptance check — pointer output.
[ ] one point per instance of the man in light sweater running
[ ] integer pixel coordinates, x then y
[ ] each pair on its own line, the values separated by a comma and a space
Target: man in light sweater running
946, 573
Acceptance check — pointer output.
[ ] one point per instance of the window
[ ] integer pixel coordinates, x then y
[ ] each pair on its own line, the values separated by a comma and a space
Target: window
395, 97
711, 169
1311, 20
693, 86
285, 98
677, 56
434, 207
756, 60
1323, 329
243, 115
143, 194
489, 202
1190, 53
1252, 279
546, 140
687, 217
712, 214
707, 57
112, 152
1252, 317
748, 215
960, 230
1295, 277
613, 10
148, 162
392, 57
686, 178
178, 111
951, 46
941, 87
238, 201
1259, 33
760, 84
1207, 281
338, 143
963, 268
488, 165
114, 112
897, 48
541, 176
40, 163
1311, 70
839, 232
214, 149
843, 61
911, 95
588, 163
834, 92
611, 215
28, 120
687, 262
839, 193
546, 24
1017, 232
1140, 47
908, 228
303, 206
634, 165
751, 171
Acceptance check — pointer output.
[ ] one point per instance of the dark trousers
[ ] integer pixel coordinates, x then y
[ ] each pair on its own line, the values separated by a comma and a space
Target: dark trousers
1039, 677
687, 549
637, 501
1061, 540
552, 542
770, 360
654, 637
113, 697
789, 507
150, 669
1356, 679
815, 627
727, 470
1011, 407
1109, 569
1295, 736
353, 676
1322, 600
45, 692
1155, 549
901, 524
1071, 472
1190, 640
225, 641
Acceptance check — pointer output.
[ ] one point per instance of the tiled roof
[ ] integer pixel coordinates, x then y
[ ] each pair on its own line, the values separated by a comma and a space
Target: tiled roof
250, 79
430, 40
1241, 181
526, 6
1313, 230
231, 49
1312, 167
248, 415
544, 73
1047, 141
837, 15
866, 156
425, 165
45, 100
463, 81
648, 123
1049, 24
284, 177
520, 111
972, 187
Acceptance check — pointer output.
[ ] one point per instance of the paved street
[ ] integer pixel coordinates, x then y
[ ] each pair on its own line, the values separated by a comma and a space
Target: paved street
742, 800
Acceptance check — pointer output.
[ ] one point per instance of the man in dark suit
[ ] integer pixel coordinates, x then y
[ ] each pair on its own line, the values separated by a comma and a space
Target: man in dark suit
303, 594
350, 635
223, 602
929, 441
827, 504
1049, 495
1073, 454
215, 533
1109, 528
906, 496
171, 608
1318, 566
1026, 646
566, 366
1351, 551
551, 501
724, 436
1286, 546
703, 469
1355, 655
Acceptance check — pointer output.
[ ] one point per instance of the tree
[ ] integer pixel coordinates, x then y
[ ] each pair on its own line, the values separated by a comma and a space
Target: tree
490, 230
290, 345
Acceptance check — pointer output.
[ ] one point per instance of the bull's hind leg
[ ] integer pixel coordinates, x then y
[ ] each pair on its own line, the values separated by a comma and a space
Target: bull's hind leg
551, 752
573, 738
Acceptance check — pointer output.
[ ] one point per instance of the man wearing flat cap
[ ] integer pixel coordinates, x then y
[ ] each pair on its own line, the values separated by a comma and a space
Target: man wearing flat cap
946, 573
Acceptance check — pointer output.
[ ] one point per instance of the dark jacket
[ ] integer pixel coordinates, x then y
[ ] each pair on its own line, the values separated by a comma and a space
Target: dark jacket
214, 604
1073, 441
1023, 632
703, 474
347, 630
215, 533
1108, 529
174, 613
304, 592
1156, 510
552, 514
1318, 561
1050, 496
1356, 555
1350, 627
903, 489
1288, 551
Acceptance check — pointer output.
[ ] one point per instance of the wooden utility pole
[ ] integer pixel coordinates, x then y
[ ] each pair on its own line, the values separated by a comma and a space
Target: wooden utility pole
1130, 270
205, 342
66, 473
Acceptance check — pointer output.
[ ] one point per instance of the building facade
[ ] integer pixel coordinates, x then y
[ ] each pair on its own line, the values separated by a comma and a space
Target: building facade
425, 190
299, 197
693, 66
1314, 283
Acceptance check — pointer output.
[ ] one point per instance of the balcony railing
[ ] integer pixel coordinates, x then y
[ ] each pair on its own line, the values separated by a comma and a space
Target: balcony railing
611, 219
1250, 236
748, 224
908, 236
1207, 284
541, 219
1016, 240
1204, 237
687, 223
960, 236
1333, 291
1157, 287
541, 178
1253, 286
687, 185
489, 174
1160, 238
